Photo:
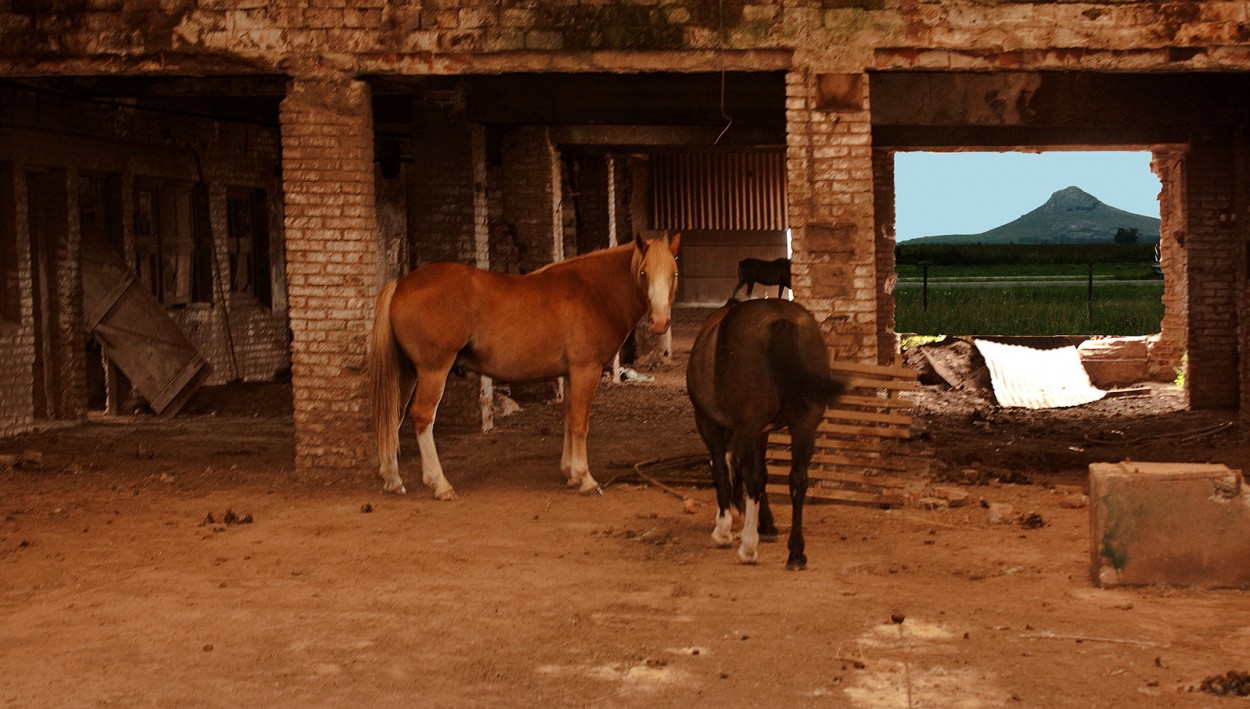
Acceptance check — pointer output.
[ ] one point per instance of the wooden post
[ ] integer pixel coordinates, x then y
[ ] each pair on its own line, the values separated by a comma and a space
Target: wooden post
1089, 294
924, 269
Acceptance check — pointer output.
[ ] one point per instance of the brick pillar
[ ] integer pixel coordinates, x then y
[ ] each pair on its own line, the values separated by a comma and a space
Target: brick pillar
448, 216
883, 208
333, 268
829, 171
1216, 262
532, 195
1165, 351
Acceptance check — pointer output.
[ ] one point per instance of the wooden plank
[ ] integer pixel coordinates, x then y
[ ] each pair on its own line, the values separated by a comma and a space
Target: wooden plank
880, 370
848, 497
846, 415
882, 431
842, 478
837, 443
875, 402
895, 463
867, 383
136, 333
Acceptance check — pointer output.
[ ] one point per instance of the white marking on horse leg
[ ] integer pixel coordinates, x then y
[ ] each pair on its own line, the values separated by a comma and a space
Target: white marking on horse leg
748, 551
431, 468
581, 469
722, 533
582, 383
566, 456
391, 482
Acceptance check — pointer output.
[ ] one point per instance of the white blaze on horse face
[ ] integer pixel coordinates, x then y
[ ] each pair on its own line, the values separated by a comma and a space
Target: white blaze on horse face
748, 551
722, 534
661, 271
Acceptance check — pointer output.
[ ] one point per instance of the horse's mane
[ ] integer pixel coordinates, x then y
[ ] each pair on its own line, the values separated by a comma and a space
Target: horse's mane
598, 253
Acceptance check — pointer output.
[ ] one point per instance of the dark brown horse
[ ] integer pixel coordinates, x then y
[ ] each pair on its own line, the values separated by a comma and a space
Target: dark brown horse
566, 319
765, 273
756, 366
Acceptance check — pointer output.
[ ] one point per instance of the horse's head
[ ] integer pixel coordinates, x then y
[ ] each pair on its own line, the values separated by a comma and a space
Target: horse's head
655, 263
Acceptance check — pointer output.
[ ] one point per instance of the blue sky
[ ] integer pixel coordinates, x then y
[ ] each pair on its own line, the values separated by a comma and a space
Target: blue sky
968, 193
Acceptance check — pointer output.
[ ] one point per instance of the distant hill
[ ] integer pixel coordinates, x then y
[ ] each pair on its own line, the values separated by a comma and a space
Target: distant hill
1070, 216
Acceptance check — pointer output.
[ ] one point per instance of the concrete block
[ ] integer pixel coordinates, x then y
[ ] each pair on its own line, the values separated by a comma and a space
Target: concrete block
1183, 524
1115, 361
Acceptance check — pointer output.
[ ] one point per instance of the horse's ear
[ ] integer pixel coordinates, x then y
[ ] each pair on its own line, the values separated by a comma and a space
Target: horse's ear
674, 243
639, 243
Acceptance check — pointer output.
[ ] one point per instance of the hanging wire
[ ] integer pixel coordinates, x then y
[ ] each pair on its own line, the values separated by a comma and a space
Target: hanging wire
720, 55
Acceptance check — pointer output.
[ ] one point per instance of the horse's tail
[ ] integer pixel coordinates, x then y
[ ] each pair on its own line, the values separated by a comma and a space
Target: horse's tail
384, 378
800, 372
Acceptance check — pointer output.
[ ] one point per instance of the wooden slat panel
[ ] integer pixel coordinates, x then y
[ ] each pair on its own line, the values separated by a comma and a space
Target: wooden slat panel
870, 383
844, 478
719, 191
859, 434
850, 497
886, 431
892, 463
881, 370
875, 402
866, 416
872, 444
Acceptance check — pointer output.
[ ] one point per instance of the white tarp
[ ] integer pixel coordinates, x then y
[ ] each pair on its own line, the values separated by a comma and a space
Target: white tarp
1037, 379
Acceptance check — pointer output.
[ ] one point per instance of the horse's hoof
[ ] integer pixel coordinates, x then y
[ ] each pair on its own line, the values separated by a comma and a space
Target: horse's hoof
796, 564
395, 489
768, 537
446, 495
722, 542
590, 487
748, 559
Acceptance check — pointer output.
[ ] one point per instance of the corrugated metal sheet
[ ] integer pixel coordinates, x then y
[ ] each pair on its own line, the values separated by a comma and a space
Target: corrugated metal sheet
1037, 379
719, 191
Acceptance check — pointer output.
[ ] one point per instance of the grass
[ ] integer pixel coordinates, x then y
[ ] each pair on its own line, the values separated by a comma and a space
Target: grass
1040, 271
1030, 310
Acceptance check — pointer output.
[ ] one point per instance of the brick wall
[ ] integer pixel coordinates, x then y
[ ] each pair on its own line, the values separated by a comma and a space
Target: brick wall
331, 35
1215, 259
883, 206
824, 47
592, 197
1166, 350
532, 196
448, 217
830, 185
65, 139
333, 267
442, 191
17, 338
257, 346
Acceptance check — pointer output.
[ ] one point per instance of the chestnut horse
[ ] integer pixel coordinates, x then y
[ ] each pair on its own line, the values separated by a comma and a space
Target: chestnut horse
567, 319
756, 366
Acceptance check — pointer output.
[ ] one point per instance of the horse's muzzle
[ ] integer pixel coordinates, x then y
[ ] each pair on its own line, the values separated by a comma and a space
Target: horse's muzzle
659, 326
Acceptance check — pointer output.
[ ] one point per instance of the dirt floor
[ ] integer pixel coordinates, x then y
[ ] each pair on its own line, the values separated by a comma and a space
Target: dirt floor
184, 563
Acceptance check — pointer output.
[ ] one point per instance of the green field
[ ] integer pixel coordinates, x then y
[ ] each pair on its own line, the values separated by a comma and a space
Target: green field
1030, 310
1048, 271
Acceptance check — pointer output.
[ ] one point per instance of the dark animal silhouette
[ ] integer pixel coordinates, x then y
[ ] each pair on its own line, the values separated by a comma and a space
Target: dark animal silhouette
758, 365
766, 273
